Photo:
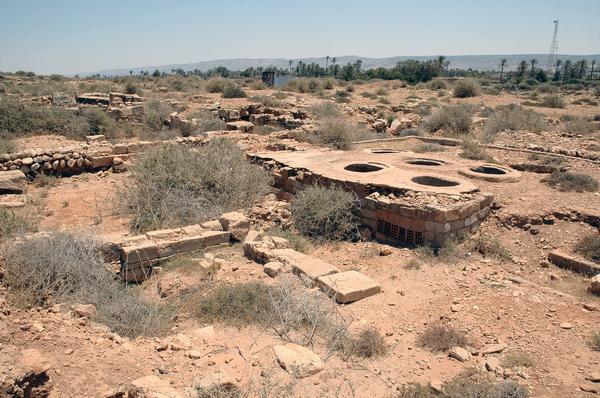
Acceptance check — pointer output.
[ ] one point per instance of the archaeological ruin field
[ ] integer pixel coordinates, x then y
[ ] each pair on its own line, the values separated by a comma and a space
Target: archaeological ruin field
175, 235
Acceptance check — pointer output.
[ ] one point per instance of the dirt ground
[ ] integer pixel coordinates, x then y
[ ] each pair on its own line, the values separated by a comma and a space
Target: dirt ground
521, 301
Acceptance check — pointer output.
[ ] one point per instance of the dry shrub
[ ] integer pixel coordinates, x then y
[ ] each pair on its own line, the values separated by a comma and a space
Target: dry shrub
572, 182
578, 125
328, 213
488, 246
429, 147
258, 85
448, 252
268, 100
453, 119
12, 224
175, 185
466, 88
335, 133
216, 85
62, 268
440, 337
472, 150
514, 117
219, 391
369, 343
475, 383
515, 359
232, 90
292, 312
552, 101
594, 341
297, 242
156, 114
437, 84
6, 145
324, 110
589, 247
303, 85
471, 383
206, 121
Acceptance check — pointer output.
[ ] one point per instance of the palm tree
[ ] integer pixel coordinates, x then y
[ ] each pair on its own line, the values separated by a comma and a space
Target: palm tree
522, 68
556, 71
533, 62
326, 63
502, 65
592, 69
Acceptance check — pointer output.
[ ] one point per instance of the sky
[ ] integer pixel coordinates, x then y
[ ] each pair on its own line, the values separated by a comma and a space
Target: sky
78, 36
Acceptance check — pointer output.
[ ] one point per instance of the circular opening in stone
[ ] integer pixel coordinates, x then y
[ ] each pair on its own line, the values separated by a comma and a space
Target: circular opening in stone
488, 170
384, 150
425, 162
363, 167
434, 181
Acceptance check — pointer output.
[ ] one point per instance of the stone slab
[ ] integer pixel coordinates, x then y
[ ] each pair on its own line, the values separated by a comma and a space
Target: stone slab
564, 260
139, 252
298, 361
12, 181
303, 264
348, 286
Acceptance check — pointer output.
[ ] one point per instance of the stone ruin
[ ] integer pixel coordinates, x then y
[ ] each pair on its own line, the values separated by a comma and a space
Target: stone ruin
404, 199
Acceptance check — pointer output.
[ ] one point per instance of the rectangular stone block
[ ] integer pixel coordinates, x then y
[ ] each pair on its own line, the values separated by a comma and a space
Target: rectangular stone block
349, 286
564, 260
12, 181
303, 264
141, 252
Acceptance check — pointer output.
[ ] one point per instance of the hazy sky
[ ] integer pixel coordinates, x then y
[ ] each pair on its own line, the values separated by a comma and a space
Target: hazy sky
71, 36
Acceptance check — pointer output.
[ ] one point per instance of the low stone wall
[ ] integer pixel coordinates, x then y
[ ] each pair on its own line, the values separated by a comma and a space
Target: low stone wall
138, 256
574, 264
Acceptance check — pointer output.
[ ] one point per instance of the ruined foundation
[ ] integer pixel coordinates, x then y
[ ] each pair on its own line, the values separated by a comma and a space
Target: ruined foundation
404, 199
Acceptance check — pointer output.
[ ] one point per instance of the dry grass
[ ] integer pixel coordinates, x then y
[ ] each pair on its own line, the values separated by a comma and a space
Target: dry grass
580, 125
515, 118
326, 213
589, 247
488, 246
6, 144
175, 185
425, 147
440, 337
572, 182
552, 101
369, 343
12, 224
62, 268
594, 341
515, 359
471, 149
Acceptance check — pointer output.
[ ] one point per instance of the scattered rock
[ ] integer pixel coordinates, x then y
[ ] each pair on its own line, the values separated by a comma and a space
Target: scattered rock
84, 310
154, 387
298, 361
566, 326
594, 377
273, 268
492, 364
459, 354
493, 349
594, 286
236, 224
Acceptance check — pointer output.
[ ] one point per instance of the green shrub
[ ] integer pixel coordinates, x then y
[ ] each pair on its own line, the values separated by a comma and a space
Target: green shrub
514, 117
452, 119
466, 88
589, 247
232, 90
440, 337
326, 213
98, 121
552, 101
572, 182
175, 185
216, 85
131, 88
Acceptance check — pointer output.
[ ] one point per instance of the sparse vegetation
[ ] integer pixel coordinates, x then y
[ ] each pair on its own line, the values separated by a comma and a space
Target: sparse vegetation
589, 247
515, 359
268, 100
466, 88
325, 110
176, 185
335, 133
513, 117
579, 125
552, 101
62, 268
232, 90
369, 343
488, 246
453, 120
326, 213
572, 182
156, 115
429, 147
471, 149
6, 145
440, 337
12, 224
594, 341
207, 121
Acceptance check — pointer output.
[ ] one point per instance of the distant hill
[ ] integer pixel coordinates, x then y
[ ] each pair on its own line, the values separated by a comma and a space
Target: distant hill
476, 62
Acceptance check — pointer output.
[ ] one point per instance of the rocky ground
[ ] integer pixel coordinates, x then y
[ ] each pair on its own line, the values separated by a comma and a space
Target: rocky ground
517, 304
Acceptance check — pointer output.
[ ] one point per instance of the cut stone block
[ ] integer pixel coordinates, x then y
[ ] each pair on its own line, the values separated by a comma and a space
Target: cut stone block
297, 360
575, 264
213, 225
273, 268
236, 223
12, 181
240, 125
348, 286
303, 264
141, 252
